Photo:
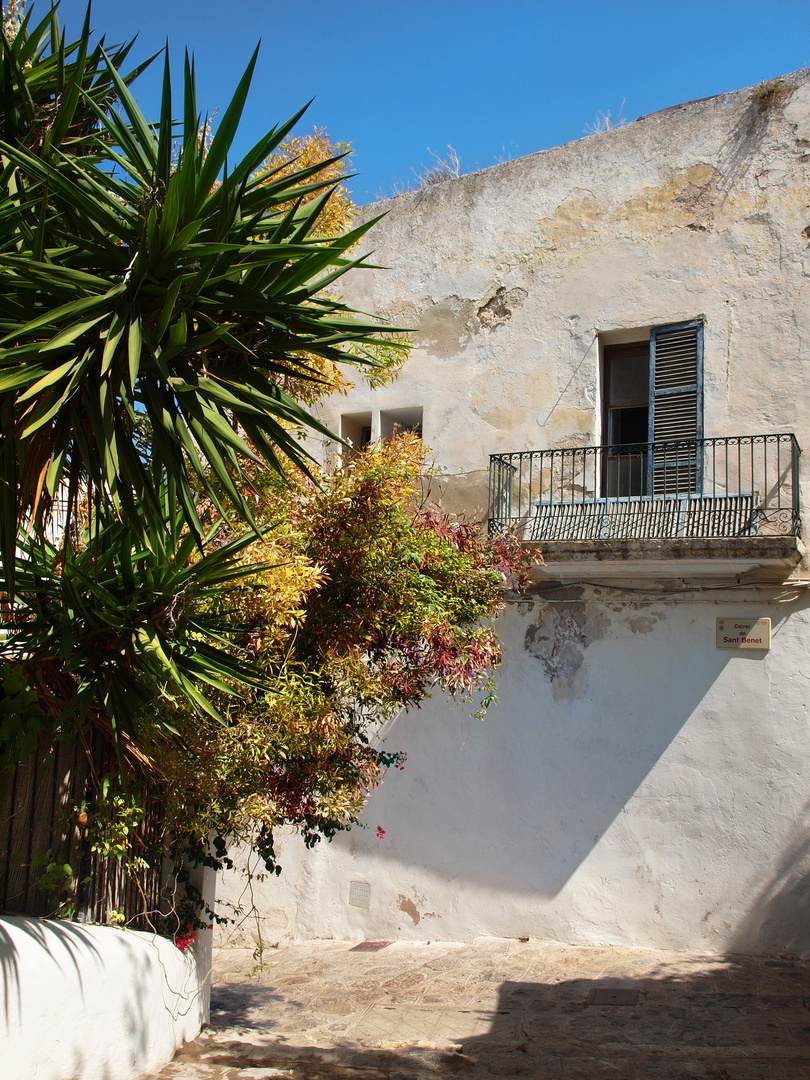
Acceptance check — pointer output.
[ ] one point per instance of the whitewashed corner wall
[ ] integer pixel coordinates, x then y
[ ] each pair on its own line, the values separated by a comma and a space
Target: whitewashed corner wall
635, 784
94, 1002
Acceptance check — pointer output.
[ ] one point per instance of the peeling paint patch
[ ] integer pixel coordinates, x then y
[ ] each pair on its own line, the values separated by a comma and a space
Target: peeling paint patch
643, 624
684, 199
559, 640
505, 401
445, 326
498, 310
409, 907
576, 218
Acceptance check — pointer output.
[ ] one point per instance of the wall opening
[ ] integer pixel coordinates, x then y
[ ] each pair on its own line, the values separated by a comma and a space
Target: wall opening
355, 428
393, 421
652, 410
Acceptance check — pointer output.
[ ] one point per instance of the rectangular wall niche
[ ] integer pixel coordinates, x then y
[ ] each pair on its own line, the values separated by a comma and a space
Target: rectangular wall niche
395, 420
355, 428
360, 894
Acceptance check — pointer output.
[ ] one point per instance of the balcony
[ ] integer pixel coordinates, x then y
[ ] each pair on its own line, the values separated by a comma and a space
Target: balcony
717, 508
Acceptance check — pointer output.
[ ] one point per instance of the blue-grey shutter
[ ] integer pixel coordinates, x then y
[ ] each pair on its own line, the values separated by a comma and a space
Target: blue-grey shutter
676, 409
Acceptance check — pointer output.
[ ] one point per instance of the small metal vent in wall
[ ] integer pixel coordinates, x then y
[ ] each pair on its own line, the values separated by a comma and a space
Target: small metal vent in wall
360, 894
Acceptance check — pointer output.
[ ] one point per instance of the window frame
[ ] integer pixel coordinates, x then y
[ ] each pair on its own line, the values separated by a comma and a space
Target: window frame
655, 465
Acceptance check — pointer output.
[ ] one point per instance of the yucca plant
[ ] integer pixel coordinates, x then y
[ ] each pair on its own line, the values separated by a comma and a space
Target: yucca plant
51, 85
155, 298
145, 277
110, 627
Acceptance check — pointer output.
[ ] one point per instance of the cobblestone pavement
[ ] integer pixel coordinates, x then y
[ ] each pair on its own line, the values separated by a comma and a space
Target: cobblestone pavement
498, 1007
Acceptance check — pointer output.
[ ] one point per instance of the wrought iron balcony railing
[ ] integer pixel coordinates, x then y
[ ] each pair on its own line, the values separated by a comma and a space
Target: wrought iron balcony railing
743, 486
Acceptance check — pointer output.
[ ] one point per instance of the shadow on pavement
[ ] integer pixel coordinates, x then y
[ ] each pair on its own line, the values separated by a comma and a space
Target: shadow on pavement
740, 1018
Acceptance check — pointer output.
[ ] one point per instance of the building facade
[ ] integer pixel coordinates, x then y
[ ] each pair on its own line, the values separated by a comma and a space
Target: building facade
612, 350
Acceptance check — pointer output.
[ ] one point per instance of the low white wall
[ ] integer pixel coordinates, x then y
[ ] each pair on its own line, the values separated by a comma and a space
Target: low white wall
93, 1002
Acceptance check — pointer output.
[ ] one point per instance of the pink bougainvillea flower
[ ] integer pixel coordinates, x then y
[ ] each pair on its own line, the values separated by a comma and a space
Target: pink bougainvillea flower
183, 941
380, 832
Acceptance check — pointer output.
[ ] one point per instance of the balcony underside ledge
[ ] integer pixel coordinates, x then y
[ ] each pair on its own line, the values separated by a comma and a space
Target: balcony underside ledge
766, 558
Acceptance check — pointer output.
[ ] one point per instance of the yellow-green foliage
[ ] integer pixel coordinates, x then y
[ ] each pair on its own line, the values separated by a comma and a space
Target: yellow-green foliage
387, 354
302, 152
369, 602
772, 93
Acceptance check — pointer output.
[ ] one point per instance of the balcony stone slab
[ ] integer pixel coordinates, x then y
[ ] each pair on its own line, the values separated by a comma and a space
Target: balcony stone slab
750, 558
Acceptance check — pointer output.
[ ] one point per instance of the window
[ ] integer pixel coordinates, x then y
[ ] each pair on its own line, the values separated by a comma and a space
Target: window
626, 418
355, 428
653, 413
394, 420
361, 428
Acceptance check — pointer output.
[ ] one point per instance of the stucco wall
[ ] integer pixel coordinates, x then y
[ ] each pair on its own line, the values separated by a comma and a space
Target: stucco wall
635, 784
512, 278
93, 1002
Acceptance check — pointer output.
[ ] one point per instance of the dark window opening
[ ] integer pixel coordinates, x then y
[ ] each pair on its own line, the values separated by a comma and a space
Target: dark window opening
626, 376
629, 425
394, 421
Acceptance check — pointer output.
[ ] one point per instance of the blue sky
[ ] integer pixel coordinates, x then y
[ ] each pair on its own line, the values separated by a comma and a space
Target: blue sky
495, 80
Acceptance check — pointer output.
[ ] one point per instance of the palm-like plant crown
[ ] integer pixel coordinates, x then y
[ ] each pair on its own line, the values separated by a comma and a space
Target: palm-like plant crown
142, 276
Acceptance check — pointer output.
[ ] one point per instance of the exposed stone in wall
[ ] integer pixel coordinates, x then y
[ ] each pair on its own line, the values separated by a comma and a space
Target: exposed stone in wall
409, 907
643, 624
498, 310
747, 137
566, 627
559, 639
797, 113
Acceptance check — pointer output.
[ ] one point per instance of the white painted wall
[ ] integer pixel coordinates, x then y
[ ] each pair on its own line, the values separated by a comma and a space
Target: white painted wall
635, 785
94, 1002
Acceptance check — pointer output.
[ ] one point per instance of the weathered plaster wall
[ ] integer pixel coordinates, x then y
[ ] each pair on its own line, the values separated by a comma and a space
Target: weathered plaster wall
510, 275
93, 1002
635, 784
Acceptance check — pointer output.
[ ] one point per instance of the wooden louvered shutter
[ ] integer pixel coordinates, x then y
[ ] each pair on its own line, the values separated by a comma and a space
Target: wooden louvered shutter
676, 409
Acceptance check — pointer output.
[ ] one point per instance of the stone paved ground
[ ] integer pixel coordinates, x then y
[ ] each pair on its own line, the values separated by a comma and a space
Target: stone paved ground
495, 1008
